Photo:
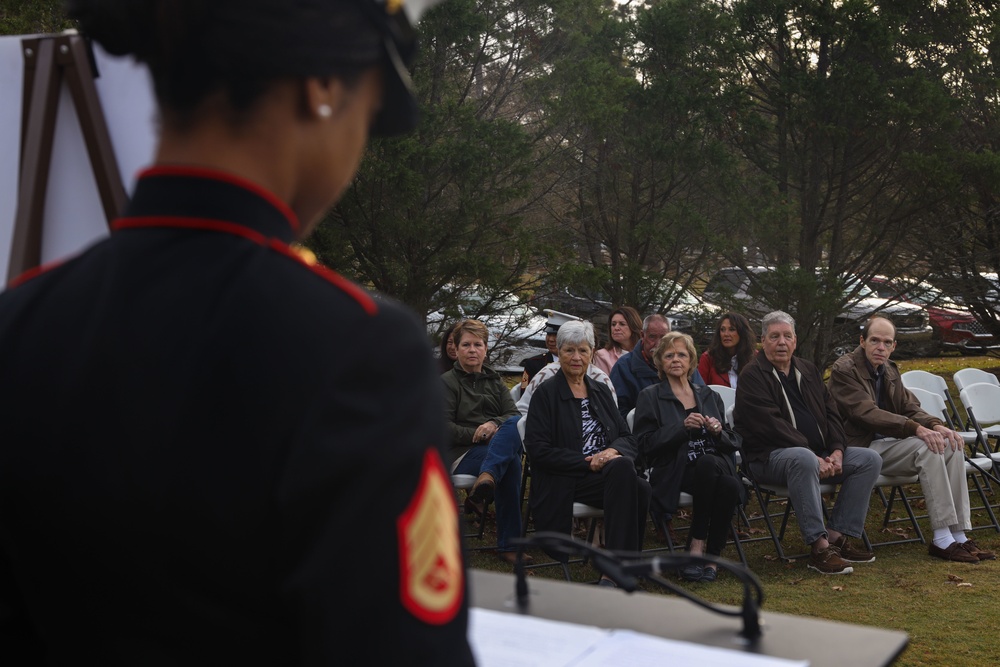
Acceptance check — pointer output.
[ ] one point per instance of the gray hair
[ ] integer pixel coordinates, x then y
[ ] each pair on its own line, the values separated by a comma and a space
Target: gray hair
655, 317
574, 333
776, 317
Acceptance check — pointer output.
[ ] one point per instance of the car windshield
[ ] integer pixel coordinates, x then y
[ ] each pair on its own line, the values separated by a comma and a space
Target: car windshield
925, 294
857, 288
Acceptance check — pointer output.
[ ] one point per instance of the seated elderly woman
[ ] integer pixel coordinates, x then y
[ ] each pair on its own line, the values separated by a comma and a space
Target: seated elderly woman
581, 449
477, 402
682, 438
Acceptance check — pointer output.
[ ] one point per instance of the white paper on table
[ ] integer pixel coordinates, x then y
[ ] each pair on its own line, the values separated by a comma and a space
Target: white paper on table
500, 639
640, 650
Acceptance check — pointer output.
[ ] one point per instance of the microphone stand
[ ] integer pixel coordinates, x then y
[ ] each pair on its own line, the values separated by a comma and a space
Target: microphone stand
626, 570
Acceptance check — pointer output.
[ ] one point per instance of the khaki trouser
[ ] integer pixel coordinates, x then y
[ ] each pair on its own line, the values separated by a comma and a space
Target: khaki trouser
942, 477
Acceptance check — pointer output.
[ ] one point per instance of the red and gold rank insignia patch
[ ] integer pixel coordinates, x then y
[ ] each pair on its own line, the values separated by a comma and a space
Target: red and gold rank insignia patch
430, 559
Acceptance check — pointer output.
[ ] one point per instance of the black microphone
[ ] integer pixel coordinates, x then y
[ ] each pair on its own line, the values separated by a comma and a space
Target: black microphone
625, 571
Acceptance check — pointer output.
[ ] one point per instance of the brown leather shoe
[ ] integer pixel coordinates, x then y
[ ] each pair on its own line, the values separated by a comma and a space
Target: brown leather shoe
510, 557
955, 552
851, 553
977, 551
828, 561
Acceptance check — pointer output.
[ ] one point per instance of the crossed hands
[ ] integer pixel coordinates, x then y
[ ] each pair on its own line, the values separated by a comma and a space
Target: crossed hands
832, 465
602, 458
695, 421
940, 439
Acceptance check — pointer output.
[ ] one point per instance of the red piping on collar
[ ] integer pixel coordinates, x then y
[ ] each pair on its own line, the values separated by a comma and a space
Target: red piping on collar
34, 273
362, 297
225, 177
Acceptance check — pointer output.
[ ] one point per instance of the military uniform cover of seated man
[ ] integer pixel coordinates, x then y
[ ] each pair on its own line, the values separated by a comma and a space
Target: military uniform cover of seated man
880, 413
793, 437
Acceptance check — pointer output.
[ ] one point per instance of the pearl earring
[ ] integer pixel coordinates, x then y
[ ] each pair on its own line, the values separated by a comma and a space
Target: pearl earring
324, 110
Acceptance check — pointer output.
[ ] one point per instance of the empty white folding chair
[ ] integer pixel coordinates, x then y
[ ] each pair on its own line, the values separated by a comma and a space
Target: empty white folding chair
970, 376
935, 384
982, 402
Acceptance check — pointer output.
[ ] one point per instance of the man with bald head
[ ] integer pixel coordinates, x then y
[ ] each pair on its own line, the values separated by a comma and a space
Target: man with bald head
881, 414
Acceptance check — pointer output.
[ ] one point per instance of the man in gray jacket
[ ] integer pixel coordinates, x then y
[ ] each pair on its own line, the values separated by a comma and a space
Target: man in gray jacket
880, 413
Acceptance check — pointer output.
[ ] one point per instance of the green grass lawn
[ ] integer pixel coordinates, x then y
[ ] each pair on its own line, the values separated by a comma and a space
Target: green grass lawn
904, 589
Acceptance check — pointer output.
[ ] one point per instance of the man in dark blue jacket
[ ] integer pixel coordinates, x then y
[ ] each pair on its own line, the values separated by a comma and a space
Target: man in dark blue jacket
634, 371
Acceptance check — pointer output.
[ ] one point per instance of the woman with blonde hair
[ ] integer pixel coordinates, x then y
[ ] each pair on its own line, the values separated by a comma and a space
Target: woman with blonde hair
687, 447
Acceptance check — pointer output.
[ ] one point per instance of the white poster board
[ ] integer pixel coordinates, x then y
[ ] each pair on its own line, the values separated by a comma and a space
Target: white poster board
74, 217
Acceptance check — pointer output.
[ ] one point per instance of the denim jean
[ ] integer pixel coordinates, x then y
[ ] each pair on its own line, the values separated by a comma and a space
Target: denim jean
797, 468
501, 457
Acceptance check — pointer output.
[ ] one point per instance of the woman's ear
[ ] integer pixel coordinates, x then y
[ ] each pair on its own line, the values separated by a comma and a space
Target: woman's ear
322, 97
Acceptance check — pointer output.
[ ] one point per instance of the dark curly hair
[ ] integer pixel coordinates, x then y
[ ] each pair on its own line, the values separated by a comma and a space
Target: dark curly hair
745, 349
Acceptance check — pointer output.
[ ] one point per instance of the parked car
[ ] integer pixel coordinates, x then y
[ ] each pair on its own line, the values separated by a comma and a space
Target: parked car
954, 326
688, 314
914, 334
592, 305
517, 330
692, 315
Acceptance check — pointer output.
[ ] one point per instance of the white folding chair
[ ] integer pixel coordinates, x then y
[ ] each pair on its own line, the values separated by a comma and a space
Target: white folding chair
933, 404
896, 485
975, 466
728, 396
935, 384
982, 403
769, 493
465, 483
970, 376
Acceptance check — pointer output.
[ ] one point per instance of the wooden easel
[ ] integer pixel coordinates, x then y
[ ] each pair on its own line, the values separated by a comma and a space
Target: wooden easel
48, 61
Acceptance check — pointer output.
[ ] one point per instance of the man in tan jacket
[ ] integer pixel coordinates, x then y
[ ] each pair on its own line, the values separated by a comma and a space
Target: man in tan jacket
880, 413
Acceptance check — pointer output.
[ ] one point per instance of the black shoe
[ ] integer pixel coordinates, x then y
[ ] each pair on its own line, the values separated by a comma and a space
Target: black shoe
483, 490
692, 573
709, 575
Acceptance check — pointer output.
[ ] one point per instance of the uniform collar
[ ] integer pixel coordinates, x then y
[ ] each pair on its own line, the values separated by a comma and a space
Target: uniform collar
196, 193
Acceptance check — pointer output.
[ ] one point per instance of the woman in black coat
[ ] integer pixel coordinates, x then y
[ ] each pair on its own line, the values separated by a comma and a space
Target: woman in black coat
683, 439
581, 449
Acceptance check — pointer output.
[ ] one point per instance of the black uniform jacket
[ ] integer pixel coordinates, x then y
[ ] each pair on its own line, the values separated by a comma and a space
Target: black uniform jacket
532, 365
199, 466
663, 438
553, 438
